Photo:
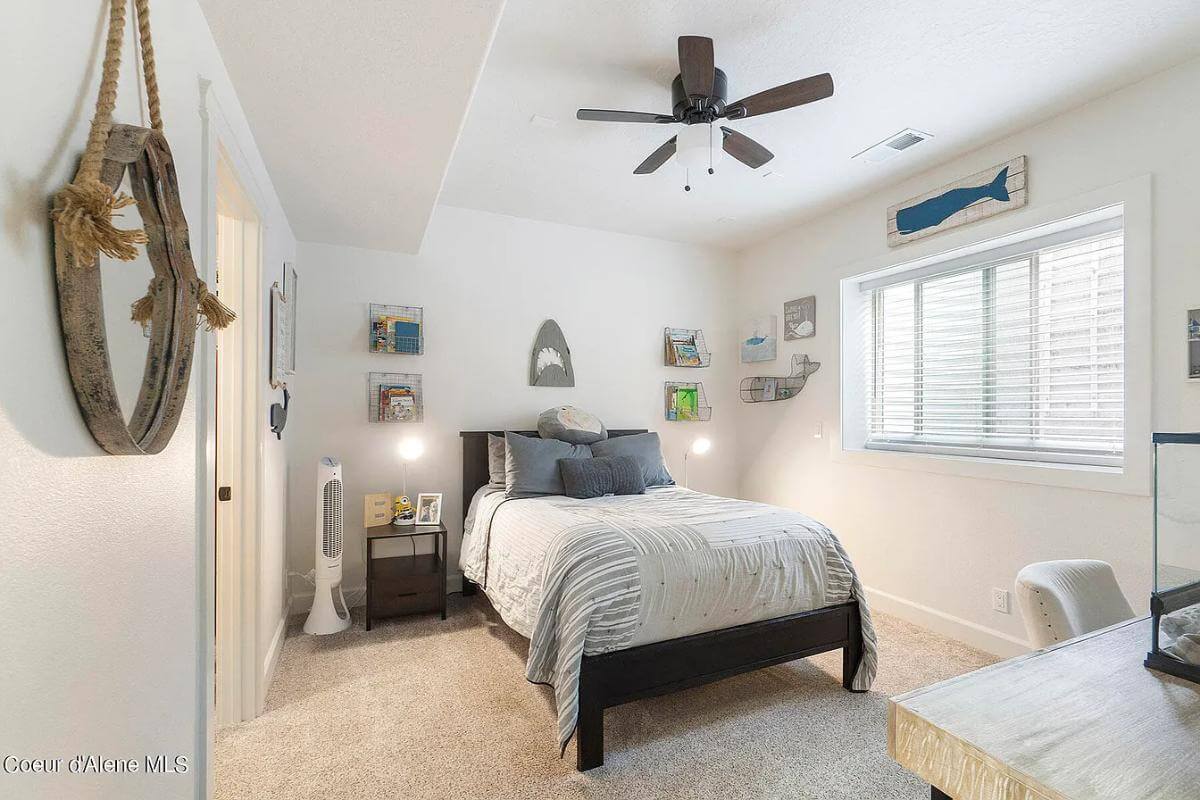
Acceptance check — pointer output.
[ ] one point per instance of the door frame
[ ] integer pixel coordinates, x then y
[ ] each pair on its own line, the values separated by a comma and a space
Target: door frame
237, 541
239, 575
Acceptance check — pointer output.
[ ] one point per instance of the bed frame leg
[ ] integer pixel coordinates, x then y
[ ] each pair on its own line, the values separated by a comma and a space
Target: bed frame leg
589, 730
468, 587
852, 652
937, 794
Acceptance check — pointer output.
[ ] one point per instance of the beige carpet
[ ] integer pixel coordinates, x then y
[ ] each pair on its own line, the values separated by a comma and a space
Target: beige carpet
420, 708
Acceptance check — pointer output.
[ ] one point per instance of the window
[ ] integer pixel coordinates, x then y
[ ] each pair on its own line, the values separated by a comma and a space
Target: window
1012, 352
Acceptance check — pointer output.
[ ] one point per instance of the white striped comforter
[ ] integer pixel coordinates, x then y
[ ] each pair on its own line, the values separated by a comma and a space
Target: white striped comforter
592, 576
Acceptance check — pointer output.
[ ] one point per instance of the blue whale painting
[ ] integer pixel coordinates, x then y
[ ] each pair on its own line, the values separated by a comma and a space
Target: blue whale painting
937, 210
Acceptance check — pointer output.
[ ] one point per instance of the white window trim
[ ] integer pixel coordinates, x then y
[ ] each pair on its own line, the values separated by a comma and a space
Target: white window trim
1134, 476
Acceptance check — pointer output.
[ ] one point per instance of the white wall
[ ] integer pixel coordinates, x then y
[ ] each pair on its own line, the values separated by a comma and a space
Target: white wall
98, 610
486, 283
933, 545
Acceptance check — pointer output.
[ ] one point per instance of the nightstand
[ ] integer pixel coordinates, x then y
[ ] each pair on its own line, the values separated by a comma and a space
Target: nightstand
406, 584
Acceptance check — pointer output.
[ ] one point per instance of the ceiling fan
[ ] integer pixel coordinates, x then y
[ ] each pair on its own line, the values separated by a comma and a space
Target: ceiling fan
698, 94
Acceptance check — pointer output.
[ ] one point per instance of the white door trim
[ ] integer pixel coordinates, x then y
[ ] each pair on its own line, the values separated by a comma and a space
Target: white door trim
217, 137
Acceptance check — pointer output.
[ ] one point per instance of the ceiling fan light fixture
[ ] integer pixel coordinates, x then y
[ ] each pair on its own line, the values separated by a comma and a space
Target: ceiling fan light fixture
698, 99
698, 146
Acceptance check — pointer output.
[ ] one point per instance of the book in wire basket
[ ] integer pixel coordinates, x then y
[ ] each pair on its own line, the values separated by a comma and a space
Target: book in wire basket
397, 329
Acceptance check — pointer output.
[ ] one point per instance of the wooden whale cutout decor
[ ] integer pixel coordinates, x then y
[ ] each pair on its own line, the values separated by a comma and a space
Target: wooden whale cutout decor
174, 290
768, 389
550, 360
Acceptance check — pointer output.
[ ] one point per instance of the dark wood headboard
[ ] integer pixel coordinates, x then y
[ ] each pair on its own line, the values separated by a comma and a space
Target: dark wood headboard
475, 459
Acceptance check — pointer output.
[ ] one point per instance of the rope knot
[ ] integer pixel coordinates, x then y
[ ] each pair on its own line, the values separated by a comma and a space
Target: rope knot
217, 315
84, 212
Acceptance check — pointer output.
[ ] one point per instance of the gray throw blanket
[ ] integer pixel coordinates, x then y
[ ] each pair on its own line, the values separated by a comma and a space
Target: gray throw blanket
592, 584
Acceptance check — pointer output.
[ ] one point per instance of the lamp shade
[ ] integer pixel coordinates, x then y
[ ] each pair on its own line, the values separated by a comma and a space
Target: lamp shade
411, 448
696, 146
701, 445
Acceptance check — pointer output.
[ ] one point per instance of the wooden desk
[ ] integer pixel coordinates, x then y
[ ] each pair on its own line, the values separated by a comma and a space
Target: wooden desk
1083, 720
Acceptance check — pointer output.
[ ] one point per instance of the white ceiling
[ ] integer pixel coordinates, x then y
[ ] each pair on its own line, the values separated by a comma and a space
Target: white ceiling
355, 106
968, 72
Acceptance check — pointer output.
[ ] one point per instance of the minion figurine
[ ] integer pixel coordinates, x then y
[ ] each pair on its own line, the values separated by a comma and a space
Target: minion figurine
403, 513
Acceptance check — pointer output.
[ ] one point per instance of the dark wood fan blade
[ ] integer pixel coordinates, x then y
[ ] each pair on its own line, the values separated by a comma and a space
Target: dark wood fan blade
600, 115
657, 158
696, 65
789, 95
745, 149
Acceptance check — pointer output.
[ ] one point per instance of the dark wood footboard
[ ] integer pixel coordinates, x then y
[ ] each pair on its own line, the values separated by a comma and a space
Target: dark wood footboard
611, 679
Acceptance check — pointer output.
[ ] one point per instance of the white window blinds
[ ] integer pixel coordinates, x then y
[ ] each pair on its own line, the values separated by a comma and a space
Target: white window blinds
1017, 353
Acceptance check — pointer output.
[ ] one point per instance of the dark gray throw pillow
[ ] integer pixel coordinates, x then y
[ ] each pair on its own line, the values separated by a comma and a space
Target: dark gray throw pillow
646, 448
595, 477
531, 464
496, 451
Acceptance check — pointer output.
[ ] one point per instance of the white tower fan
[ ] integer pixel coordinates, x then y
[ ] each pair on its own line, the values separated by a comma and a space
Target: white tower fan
329, 613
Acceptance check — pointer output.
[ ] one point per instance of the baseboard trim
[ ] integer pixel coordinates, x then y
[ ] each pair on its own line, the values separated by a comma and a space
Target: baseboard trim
271, 661
987, 639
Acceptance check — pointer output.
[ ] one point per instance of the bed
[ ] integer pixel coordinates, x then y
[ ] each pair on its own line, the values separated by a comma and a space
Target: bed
640, 595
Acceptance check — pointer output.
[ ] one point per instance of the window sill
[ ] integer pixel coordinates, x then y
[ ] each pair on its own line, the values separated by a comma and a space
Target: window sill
1127, 480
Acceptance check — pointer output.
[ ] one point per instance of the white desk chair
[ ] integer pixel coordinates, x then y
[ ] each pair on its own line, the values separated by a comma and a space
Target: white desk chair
1060, 600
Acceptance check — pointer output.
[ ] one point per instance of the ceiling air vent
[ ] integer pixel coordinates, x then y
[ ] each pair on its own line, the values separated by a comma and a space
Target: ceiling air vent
893, 146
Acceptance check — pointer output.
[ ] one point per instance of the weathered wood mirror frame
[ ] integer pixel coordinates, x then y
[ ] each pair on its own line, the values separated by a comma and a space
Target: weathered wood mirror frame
175, 289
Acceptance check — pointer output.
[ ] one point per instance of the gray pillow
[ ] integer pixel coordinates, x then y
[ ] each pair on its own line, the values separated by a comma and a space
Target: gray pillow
531, 464
595, 477
570, 424
646, 448
496, 451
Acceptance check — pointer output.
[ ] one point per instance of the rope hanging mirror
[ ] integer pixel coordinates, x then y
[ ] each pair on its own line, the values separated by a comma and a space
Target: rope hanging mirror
84, 228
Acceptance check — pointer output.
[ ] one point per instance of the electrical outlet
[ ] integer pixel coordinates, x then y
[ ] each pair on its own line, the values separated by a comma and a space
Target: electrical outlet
1000, 601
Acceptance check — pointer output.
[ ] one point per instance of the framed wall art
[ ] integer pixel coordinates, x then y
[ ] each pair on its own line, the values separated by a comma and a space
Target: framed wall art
800, 318
283, 339
758, 339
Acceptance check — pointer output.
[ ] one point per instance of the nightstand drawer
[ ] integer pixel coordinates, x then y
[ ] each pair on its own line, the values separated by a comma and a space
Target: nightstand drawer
396, 599
421, 583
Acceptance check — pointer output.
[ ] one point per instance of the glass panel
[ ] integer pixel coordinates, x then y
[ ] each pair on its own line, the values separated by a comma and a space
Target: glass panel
1177, 545
952, 358
894, 363
1177, 516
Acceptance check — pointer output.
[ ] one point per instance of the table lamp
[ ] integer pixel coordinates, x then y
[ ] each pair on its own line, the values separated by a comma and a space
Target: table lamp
411, 448
700, 446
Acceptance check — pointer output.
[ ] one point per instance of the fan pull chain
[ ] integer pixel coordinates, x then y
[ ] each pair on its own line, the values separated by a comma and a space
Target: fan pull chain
687, 179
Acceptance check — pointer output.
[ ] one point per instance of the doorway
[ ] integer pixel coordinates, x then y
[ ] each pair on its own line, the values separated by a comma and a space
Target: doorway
238, 254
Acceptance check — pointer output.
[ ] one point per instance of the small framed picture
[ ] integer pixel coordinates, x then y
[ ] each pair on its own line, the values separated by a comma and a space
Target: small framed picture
429, 508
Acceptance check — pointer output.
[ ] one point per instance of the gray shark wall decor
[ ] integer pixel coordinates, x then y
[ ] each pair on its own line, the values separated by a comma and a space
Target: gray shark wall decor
550, 361
1001, 188
768, 389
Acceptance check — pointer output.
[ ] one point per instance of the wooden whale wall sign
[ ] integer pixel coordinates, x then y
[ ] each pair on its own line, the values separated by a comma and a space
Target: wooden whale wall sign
769, 389
550, 360
1001, 188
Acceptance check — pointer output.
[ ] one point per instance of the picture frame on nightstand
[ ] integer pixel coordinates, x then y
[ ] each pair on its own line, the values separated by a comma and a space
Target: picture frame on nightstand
429, 508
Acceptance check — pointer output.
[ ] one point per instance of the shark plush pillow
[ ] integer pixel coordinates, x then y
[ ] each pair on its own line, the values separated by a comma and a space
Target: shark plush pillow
571, 425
